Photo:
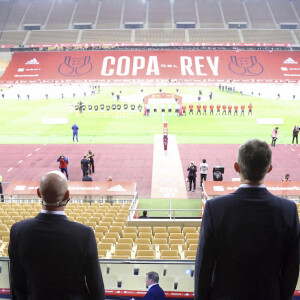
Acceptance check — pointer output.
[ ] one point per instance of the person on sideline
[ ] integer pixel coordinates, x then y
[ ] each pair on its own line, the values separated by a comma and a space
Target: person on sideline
192, 169
274, 136
295, 134
85, 165
50, 256
86, 177
286, 177
90, 156
203, 171
144, 216
63, 164
155, 292
75, 129
249, 240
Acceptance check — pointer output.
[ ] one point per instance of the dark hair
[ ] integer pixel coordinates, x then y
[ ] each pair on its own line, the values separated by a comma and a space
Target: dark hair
144, 213
153, 276
254, 159
204, 160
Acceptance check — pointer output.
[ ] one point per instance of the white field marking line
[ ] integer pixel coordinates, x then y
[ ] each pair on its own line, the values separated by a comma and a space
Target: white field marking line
29, 155
9, 169
20, 161
37, 149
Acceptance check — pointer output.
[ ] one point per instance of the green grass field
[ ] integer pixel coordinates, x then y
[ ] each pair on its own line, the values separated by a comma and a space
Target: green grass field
21, 121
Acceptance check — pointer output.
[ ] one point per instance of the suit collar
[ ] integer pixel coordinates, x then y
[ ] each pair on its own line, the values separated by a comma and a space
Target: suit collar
51, 217
254, 190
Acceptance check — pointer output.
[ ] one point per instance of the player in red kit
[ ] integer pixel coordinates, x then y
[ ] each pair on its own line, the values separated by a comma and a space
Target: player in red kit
199, 109
224, 109
211, 107
204, 109
250, 109
229, 109
191, 107
236, 110
243, 110
184, 110
218, 109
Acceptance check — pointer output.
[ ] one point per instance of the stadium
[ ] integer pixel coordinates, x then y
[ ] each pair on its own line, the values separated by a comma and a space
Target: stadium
130, 73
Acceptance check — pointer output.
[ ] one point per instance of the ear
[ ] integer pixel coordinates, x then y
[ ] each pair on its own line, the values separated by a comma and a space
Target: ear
39, 192
67, 195
236, 167
270, 169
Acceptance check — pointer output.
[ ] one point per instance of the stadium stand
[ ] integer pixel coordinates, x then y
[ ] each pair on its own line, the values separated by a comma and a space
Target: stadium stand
5, 8
37, 14
16, 14
86, 11
282, 11
13, 37
159, 14
134, 11
267, 36
60, 15
159, 35
260, 15
106, 36
214, 35
234, 11
185, 11
210, 15
110, 14
53, 36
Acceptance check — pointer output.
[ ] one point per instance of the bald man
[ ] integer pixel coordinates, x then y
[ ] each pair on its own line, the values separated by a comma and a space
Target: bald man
50, 256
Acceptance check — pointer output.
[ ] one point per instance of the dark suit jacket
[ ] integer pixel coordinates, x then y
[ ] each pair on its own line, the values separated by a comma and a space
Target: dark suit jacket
248, 248
54, 258
155, 293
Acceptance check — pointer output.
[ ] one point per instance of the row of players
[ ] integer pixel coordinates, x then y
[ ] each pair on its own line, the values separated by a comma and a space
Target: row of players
80, 107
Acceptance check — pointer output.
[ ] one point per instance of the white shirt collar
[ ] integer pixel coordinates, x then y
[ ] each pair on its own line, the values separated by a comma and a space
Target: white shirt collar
150, 286
245, 185
56, 212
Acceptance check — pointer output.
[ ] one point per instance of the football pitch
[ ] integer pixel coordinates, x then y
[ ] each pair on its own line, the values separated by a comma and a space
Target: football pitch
21, 120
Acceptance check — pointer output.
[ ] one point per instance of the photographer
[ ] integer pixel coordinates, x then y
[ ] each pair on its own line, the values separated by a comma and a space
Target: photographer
192, 169
63, 164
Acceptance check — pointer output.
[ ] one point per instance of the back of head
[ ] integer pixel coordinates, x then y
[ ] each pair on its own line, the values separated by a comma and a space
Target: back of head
204, 160
254, 159
153, 276
53, 187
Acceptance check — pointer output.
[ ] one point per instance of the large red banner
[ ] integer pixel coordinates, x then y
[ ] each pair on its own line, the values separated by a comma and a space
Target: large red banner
114, 66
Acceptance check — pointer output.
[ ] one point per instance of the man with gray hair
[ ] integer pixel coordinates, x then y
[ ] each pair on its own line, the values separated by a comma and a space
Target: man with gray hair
50, 256
155, 292
249, 240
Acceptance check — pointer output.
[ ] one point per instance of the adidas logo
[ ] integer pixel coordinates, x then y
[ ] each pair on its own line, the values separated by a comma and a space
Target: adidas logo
290, 61
117, 188
32, 62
